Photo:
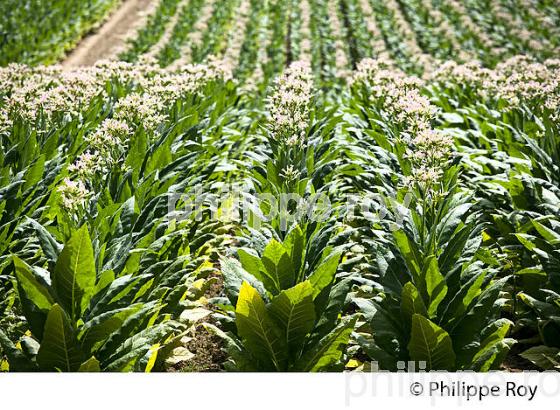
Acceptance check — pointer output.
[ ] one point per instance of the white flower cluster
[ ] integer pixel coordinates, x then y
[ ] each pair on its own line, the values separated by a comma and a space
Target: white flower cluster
74, 195
397, 94
399, 97
469, 75
142, 109
520, 79
289, 104
38, 94
5, 121
104, 147
515, 81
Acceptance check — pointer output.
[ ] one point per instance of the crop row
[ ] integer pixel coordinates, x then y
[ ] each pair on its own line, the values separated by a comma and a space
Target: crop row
39, 32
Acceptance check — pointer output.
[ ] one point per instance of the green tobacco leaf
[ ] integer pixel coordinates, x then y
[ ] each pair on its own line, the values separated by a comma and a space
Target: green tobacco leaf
430, 344
323, 276
128, 355
234, 276
278, 264
450, 221
96, 331
411, 303
329, 312
51, 248
35, 291
454, 248
327, 353
18, 361
260, 334
295, 245
548, 234
59, 348
90, 366
294, 312
254, 265
74, 273
547, 358
409, 252
34, 173
436, 288
493, 348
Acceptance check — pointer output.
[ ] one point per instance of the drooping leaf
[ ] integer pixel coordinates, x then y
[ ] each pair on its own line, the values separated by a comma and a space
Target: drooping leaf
35, 291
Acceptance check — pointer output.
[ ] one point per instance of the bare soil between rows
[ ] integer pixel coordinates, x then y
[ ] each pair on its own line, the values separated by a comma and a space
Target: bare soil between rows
110, 38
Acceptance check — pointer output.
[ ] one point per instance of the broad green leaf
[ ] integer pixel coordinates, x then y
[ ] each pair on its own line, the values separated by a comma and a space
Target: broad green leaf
548, 234
451, 221
34, 173
329, 312
35, 291
234, 275
278, 264
295, 245
96, 331
131, 351
90, 366
493, 348
74, 273
51, 248
411, 303
547, 358
327, 353
436, 288
409, 252
260, 334
59, 348
294, 312
254, 265
430, 344
323, 276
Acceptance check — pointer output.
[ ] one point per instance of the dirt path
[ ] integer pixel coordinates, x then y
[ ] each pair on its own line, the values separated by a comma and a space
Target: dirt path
112, 35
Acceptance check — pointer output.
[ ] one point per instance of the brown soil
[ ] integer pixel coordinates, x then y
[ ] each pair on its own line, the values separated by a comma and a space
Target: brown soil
111, 36
208, 349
